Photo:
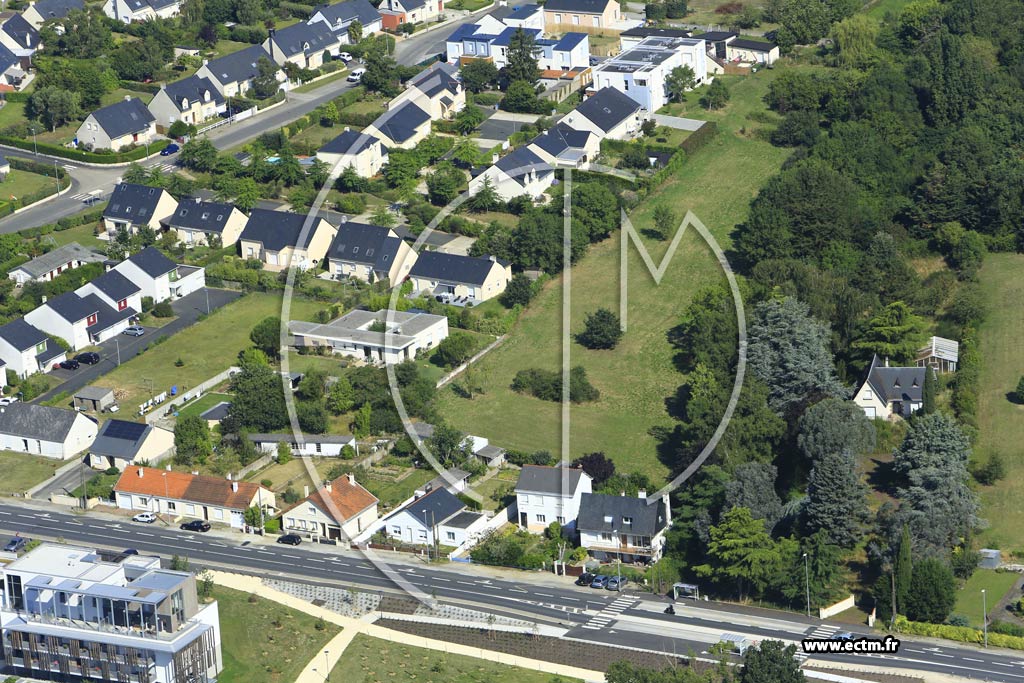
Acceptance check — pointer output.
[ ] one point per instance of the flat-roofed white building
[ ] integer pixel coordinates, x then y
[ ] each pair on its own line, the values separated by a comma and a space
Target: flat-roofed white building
361, 334
642, 71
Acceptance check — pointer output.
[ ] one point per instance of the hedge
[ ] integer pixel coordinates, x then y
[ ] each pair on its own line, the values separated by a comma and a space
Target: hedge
9, 206
962, 634
700, 137
968, 379
81, 155
139, 86
19, 164
64, 224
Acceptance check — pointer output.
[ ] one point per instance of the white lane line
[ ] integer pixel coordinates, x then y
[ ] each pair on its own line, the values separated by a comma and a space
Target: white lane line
316, 559
292, 557
573, 599
968, 659
939, 654
546, 595
143, 533
466, 583
438, 578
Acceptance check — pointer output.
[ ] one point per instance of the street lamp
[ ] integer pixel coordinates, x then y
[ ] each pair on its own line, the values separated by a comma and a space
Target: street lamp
327, 665
35, 147
807, 585
984, 615
167, 496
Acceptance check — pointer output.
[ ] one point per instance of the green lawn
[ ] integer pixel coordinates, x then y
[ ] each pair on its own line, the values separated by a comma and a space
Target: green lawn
501, 480
318, 135
370, 660
208, 347
23, 471
880, 8
391, 493
204, 403
1001, 421
996, 585
11, 113
226, 47
265, 641
333, 78
717, 184
119, 94
83, 234
20, 183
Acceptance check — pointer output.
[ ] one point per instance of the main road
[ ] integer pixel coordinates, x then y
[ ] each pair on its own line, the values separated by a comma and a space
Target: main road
596, 616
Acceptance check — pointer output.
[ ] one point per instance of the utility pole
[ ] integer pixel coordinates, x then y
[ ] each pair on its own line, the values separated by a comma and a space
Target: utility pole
984, 615
117, 345
807, 584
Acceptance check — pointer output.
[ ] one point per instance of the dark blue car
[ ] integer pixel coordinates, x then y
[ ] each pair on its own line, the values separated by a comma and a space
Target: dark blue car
169, 150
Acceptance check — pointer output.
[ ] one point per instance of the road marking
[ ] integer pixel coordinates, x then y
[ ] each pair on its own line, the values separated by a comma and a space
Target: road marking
438, 578
466, 583
75, 523
939, 654
573, 599
968, 659
316, 559
290, 557
545, 595
143, 533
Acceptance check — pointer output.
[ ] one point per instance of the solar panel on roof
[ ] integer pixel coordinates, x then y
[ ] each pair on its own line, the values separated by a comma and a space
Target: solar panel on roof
119, 429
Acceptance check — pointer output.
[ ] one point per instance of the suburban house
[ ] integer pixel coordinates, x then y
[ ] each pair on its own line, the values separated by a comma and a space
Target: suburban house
608, 113
197, 496
523, 16
192, 100
436, 89
385, 336
80, 320
96, 399
41, 11
19, 36
565, 147
462, 279
51, 264
197, 222
133, 206
112, 615
12, 76
273, 238
888, 391
42, 430
341, 510
642, 72
216, 414
396, 12
117, 126
159, 277
622, 527
437, 517
550, 494
25, 349
327, 445
115, 290
941, 355
341, 15
129, 11
233, 73
479, 446
632, 37
453, 479
369, 253
403, 126
743, 51
302, 44
521, 173
477, 41
120, 444
579, 15
365, 154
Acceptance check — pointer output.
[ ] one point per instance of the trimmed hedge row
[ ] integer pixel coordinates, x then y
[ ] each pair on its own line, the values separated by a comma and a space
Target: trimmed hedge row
9, 206
81, 155
968, 378
962, 634
700, 137
64, 224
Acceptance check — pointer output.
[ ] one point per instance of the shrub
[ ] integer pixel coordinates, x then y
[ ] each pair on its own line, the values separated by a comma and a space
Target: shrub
961, 634
547, 385
163, 310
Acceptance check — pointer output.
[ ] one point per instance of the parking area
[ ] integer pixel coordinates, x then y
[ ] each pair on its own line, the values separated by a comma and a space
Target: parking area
501, 125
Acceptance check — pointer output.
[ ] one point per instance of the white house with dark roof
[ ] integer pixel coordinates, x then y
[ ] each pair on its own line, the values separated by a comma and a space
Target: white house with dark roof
632, 37
42, 430
341, 15
120, 444
941, 354
273, 238
369, 253
51, 264
550, 494
80, 320
890, 391
19, 36
395, 12
608, 113
623, 527
192, 100
11, 72
744, 51
575, 15
159, 277
364, 153
565, 147
355, 335
196, 222
460, 279
403, 125
233, 73
521, 173
433, 518
322, 445
133, 206
115, 290
128, 11
25, 349
302, 44
436, 89
41, 11
642, 72
117, 126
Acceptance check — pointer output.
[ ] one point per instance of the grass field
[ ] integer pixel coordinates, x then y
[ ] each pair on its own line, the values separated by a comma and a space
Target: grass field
996, 585
23, 471
333, 78
208, 347
370, 660
264, 641
204, 403
1001, 421
717, 184
11, 113
83, 234
115, 96
20, 183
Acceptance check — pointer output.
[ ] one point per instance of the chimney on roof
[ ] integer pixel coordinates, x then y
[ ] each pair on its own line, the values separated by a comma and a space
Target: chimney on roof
329, 487
234, 486
492, 258
347, 129
622, 493
198, 200
229, 476
351, 478
642, 494
127, 98
668, 510
140, 471
168, 468
305, 492
887, 361
44, 298
205, 62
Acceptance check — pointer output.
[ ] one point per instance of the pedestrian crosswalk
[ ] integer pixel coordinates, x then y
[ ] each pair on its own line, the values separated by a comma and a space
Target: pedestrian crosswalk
610, 612
822, 632
81, 196
70, 167
166, 168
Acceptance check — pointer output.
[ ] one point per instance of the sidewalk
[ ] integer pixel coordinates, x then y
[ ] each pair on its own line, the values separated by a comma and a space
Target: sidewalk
351, 627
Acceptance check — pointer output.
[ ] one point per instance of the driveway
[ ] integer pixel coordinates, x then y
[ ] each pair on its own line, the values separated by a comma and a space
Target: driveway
123, 348
66, 482
678, 122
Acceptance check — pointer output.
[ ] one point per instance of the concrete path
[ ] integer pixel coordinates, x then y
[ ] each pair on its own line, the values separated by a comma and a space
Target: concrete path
678, 122
313, 673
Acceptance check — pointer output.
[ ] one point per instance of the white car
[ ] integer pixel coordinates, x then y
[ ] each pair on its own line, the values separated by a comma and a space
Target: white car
144, 517
356, 76
8, 400
345, 57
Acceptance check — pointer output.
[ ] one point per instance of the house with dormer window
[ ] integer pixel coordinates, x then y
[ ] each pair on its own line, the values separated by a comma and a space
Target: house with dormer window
133, 206
192, 100
341, 15
889, 391
302, 44
197, 222
119, 125
369, 253
159, 277
80, 320
624, 528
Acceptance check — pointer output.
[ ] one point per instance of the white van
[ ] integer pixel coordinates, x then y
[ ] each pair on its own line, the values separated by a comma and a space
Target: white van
356, 75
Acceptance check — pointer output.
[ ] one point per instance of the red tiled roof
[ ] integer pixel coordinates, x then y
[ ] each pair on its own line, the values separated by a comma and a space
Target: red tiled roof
194, 488
346, 498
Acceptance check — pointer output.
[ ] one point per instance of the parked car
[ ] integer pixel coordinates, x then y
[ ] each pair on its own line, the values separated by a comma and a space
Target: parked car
290, 539
169, 150
616, 583
345, 57
129, 551
134, 331
600, 581
843, 635
144, 517
586, 578
196, 525
89, 358
8, 400
16, 545
356, 75
69, 364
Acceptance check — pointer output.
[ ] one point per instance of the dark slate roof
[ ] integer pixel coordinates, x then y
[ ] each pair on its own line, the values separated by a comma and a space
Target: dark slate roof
433, 265
561, 137
120, 439
276, 230
410, 5
462, 31
504, 39
194, 214
7, 59
124, 117
402, 123
347, 12
73, 307
52, 352
553, 480
303, 38
521, 162
584, 6
716, 36
439, 77
745, 44
106, 316
30, 421
349, 142
115, 285
602, 513
464, 520
367, 244
896, 384
608, 108
57, 9
217, 412
194, 89
23, 33
520, 12
51, 260
570, 40
648, 31
238, 66
131, 202
22, 335
152, 262
439, 504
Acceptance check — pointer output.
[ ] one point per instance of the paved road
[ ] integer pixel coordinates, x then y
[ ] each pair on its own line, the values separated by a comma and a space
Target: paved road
597, 616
